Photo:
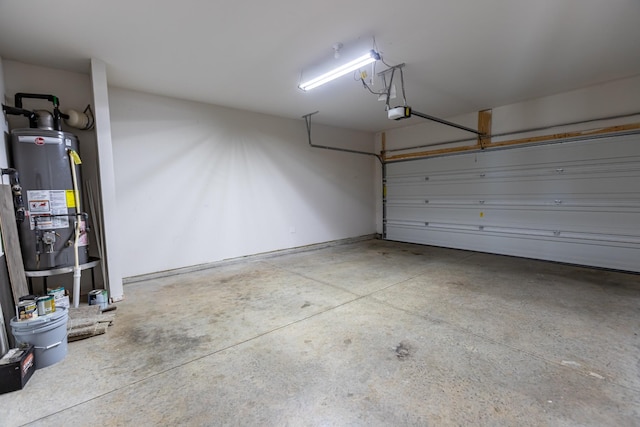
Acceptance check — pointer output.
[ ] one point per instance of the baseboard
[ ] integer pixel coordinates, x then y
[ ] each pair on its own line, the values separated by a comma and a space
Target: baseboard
255, 257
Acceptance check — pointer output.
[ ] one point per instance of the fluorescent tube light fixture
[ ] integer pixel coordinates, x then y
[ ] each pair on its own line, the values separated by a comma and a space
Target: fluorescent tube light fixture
340, 71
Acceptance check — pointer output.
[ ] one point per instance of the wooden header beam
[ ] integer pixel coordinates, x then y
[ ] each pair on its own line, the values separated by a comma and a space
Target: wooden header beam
484, 143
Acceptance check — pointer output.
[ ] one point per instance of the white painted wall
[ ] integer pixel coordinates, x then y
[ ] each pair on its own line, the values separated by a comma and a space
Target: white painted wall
197, 183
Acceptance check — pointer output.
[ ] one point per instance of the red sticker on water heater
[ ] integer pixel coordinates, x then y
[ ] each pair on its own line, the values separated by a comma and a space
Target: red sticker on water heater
39, 140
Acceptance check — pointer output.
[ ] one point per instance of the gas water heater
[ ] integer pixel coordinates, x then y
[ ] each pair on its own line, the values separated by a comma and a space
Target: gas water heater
45, 181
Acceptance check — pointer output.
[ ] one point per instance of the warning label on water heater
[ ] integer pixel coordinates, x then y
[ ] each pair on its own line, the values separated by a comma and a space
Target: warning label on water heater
44, 205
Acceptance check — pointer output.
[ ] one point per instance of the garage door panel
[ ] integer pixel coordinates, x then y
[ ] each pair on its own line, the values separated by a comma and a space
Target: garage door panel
609, 200
614, 255
580, 203
620, 184
606, 151
611, 221
579, 180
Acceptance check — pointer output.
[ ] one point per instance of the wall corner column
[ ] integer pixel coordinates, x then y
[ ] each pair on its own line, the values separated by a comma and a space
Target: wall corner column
106, 172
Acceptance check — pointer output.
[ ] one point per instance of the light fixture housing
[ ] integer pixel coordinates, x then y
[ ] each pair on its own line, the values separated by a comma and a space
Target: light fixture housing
340, 71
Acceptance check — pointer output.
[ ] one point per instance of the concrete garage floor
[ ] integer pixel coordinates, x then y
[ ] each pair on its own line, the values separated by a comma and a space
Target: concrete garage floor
371, 333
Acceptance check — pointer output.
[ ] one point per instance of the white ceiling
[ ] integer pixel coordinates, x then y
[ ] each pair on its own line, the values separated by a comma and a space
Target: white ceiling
461, 56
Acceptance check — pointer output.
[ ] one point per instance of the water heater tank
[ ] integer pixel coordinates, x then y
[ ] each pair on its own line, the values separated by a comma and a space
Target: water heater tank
47, 234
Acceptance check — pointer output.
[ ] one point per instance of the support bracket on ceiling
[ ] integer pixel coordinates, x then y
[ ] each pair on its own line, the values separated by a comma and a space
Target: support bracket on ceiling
391, 71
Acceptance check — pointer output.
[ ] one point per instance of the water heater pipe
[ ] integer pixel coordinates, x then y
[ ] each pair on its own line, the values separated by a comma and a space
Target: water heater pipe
77, 273
33, 122
57, 114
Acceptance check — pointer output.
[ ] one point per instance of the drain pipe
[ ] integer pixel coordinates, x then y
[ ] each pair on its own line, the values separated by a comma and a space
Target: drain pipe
74, 160
307, 119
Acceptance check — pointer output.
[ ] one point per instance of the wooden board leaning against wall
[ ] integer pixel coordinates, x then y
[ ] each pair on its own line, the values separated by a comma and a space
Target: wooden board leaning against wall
11, 243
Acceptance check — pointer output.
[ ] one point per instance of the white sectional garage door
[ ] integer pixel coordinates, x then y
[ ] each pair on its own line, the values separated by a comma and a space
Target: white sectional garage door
575, 202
